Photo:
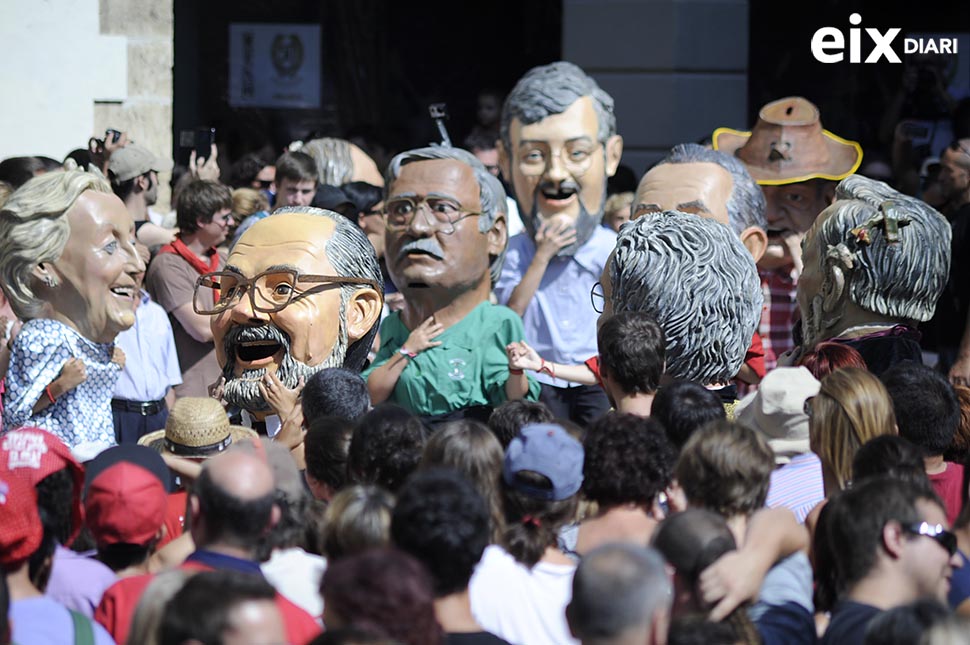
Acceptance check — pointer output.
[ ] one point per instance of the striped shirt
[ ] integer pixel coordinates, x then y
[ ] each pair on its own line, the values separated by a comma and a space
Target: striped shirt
797, 485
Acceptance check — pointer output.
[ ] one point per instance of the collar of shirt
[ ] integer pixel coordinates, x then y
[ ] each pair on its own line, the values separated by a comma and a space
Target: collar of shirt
592, 255
221, 561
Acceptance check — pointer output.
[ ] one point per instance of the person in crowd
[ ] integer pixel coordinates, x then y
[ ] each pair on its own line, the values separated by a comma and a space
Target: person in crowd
682, 407
296, 185
146, 622
358, 518
874, 264
510, 417
385, 447
144, 392
906, 623
470, 448
558, 146
616, 210
893, 546
203, 219
246, 202
927, 414
67, 266
253, 171
222, 607
520, 589
133, 171
442, 521
777, 412
796, 162
627, 469
443, 357
385, 590
334, 392
26, 552
325, 450
621, 594
827, 356
17, 171
852, 406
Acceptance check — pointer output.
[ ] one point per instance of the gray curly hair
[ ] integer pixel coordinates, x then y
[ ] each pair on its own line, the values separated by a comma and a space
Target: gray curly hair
699, 282
332, 156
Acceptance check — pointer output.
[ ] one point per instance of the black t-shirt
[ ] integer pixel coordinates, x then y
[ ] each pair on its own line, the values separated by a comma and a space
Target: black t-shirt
474, 638
950, 316
849, 622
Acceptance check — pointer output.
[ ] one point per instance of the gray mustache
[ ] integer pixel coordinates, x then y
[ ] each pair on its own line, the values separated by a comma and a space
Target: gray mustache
426, 244
244, 334
567, 184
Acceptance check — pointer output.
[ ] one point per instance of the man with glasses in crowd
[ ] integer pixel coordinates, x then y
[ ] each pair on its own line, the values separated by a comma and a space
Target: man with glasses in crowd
558, 146
444, 356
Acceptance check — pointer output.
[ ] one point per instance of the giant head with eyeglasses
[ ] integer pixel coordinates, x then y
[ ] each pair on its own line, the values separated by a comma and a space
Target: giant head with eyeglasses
301, 291
558, 146
875, 257
444, 215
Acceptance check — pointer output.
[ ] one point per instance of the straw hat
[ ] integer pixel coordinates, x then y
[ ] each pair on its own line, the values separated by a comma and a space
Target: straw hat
788, 145
197, 427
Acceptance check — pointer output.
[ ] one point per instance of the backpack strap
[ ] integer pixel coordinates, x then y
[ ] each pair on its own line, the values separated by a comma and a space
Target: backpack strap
83, 632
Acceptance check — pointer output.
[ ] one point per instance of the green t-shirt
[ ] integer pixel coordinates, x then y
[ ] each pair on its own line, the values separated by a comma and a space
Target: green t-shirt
470, 367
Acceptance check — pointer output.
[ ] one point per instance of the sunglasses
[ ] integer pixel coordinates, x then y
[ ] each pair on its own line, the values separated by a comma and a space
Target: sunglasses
935, 532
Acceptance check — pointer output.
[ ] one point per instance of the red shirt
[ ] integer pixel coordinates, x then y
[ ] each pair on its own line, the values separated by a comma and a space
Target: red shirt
949, 486
174, 516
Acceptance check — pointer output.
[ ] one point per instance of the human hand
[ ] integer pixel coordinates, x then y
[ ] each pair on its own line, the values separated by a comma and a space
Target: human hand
280, 398
118, 357
111, 147
422, 337
554, 235
523, 357
732, 580
72, 374
205, 168
215, 390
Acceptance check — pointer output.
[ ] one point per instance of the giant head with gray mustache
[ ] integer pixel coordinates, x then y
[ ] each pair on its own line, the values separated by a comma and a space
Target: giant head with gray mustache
558, 146
445, 227
301, 291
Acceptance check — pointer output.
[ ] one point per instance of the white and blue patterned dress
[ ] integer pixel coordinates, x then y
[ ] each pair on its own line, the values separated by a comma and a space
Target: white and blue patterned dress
81, 418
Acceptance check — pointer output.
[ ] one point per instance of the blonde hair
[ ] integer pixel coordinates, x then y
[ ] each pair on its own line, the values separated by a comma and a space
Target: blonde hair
246, 201
617, 202
852, 407
358, 518
147, 619
34, 229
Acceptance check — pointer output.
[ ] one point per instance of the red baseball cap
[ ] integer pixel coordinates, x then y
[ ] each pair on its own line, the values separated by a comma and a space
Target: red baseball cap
32, 454
125, 498
20, 527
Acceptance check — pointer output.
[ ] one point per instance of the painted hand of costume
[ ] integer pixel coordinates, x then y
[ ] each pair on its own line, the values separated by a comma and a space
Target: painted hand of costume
422, 337
553, 236
215, 390
278, 396
732, 580
205, 168
73, 373
960, 372
118, 357
523, 357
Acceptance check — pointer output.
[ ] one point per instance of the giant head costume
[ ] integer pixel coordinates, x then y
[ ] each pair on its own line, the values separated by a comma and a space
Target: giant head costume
301, 291
874, 257
699, 282
340, 162
67, 253
445, 217
558, 146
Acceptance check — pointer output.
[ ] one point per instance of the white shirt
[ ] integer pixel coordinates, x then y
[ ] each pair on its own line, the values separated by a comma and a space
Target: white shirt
296, 575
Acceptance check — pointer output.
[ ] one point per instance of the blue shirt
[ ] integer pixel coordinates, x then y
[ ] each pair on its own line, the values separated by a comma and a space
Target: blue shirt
797, 485
151, 363
560, 322
79, 417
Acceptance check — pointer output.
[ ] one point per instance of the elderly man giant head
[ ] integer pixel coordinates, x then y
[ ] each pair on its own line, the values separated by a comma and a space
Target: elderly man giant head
695, 179
558, 146
698, 281
301, 291
873, 259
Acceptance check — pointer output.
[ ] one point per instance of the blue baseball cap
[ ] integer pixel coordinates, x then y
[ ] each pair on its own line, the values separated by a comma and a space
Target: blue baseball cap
546, 449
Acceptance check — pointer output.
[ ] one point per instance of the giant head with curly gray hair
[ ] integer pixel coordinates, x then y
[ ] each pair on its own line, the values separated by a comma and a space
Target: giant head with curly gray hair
301, 291
700, 283
695, 179
874, 257
558, 146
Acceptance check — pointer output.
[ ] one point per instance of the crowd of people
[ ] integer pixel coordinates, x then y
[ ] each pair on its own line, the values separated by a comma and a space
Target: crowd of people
508, 392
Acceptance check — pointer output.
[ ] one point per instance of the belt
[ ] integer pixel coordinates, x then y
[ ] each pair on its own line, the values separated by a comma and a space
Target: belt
144, 408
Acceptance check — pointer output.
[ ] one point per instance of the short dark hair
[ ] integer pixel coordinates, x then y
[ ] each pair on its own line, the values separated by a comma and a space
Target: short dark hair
17, 171
726, 467
386, 447
335, 392
906, 623
56, 496
631, 350
891, 455
532, 524
364, 196
228, 518
927, 409
507, 419
244, 171
442, 521
124, 188
200, 609
627, 460
325, 448
682, 407
296, 167
199, 201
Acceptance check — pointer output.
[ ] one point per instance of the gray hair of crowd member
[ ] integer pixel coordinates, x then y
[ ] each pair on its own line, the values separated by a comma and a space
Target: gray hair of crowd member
492, 195
892, 250
699, 282
34, 229
332, 156
620, 590
550, 89
746, 205
147, 620
351, 254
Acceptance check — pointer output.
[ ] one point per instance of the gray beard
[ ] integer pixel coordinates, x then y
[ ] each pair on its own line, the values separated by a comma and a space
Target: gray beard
586, 222
243, 390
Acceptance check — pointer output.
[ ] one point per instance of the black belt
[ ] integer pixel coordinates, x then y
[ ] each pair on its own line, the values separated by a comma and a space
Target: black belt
144, 408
